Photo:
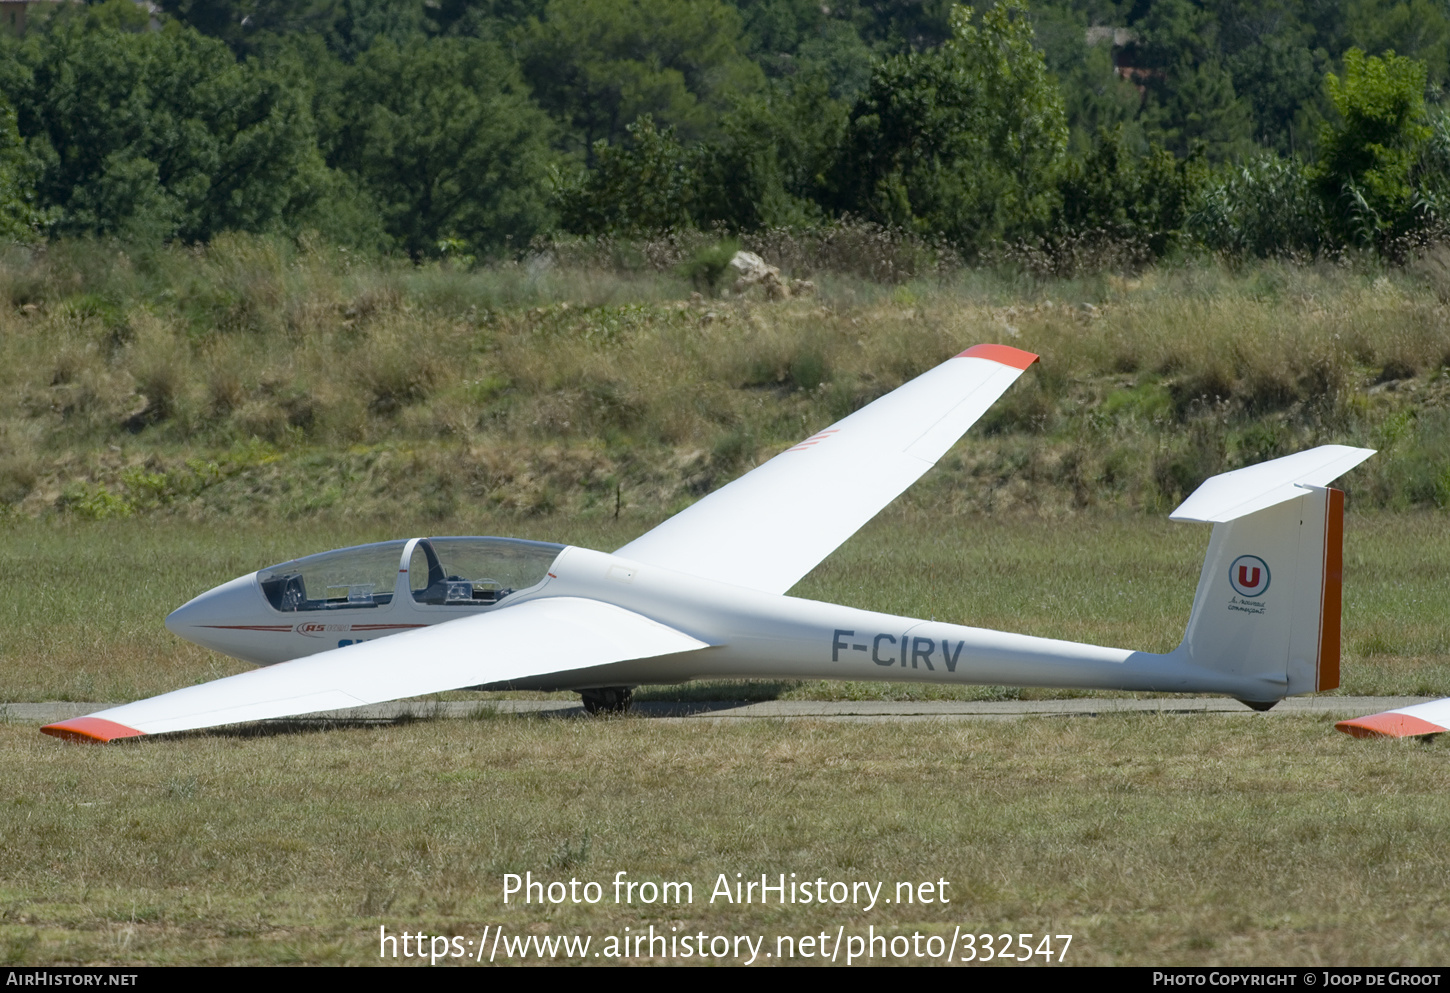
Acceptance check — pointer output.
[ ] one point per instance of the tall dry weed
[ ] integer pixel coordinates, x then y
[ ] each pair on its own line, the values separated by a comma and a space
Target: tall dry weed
1148, 380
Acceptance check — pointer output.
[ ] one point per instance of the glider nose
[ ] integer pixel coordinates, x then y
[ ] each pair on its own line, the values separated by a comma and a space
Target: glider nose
192, 614
181, 619
228, 607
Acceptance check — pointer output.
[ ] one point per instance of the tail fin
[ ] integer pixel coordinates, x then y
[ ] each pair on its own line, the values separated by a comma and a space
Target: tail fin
1268, 600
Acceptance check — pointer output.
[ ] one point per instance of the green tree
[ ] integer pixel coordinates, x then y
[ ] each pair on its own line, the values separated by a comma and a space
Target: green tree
158, 134
1195, 107
902, 25
21, 218
765, 169
598, 65
442, 139
645, 183
1365, 158
1415, 29
770, 165
1283, 81
1116, 195
1094, 94
964, 141
349, 27
804, 40
1189, 99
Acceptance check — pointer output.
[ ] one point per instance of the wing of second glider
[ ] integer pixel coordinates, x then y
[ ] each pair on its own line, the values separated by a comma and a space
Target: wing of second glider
535, 638
1406, 722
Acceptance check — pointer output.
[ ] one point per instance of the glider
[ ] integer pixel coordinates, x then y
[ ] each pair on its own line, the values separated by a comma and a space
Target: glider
703, 594
1406, 722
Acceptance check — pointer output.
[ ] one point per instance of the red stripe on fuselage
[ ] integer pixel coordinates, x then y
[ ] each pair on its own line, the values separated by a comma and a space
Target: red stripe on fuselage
248, 627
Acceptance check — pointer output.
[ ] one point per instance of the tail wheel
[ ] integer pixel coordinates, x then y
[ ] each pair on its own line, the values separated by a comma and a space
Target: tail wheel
607, 699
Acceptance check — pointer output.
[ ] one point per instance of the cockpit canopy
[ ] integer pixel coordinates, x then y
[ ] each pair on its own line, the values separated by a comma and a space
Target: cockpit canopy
446, 572
460, 571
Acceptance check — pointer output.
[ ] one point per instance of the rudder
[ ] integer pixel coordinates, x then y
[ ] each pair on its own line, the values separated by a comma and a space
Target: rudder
1269, 597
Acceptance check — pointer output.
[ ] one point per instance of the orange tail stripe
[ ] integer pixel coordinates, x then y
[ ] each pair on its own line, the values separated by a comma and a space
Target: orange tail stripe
1388, 725
1333, 599
90, 729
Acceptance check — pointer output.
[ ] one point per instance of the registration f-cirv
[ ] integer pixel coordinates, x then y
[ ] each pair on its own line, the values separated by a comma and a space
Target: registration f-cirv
704, 594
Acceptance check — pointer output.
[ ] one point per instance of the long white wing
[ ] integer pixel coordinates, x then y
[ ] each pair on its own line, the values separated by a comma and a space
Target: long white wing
1422, 718
535, 638
773, 525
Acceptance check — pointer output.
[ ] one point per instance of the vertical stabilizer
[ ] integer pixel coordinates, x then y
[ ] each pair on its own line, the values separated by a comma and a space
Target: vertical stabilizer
1268, 601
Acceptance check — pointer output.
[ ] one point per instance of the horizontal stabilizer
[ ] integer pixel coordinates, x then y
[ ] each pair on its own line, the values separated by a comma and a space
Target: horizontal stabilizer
534, 638
1422, 718
1236, 494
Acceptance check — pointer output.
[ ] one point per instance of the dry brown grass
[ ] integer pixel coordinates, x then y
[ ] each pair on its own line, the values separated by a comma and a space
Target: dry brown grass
547, 388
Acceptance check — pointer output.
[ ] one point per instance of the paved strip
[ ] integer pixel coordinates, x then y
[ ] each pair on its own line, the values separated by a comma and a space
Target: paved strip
831, 710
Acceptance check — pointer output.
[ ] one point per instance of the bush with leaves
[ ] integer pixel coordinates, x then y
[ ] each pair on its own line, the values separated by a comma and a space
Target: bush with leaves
1263, 208
709, 265
765, 170
645, 184
1365, 159
768, 167
157, 134
1431, 173
442, 138
1117, 196
964, 140
21, 219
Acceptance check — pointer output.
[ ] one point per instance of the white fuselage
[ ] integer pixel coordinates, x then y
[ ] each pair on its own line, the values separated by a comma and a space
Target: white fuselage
752, 635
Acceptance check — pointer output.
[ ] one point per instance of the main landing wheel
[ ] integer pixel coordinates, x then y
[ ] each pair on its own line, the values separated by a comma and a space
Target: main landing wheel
607, 699
1259, 705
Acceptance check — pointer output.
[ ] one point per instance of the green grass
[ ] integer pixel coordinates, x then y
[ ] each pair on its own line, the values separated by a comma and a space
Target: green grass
1152, 840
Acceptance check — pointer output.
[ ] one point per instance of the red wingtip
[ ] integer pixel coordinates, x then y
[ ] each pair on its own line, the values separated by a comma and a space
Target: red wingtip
1388, 725
90, 729
1005, 354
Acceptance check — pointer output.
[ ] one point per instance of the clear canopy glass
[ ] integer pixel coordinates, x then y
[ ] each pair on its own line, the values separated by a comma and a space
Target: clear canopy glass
451, 572
346, 578
443, 572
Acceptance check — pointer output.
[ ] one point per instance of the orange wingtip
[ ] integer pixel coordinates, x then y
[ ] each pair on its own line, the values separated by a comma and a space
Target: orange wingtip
1005, 354
1388, 725
90, 729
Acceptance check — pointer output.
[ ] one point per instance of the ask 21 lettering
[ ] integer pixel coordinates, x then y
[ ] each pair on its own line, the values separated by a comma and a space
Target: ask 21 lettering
888, 649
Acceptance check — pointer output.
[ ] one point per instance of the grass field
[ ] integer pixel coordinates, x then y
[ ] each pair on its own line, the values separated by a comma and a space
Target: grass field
1150, 839
169, 423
